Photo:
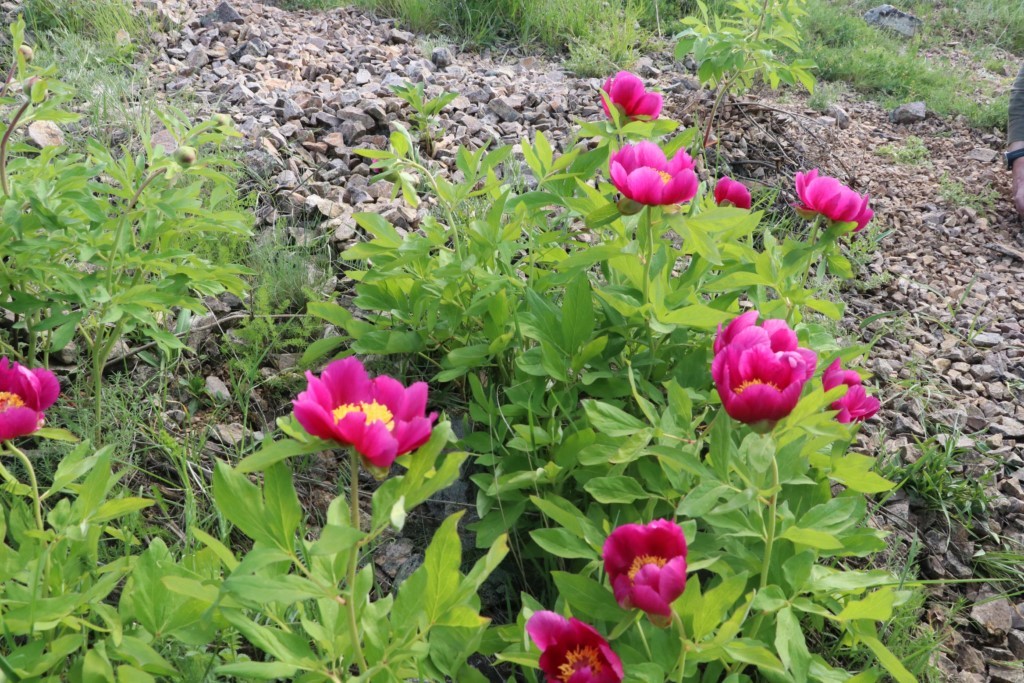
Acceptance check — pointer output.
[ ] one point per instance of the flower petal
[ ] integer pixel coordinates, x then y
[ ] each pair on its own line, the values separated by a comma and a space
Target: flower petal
17, 422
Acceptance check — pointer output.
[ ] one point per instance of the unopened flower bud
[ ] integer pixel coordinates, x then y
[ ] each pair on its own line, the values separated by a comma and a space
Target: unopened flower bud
29, 85
186, 156
26, 53
222, 120
628, 207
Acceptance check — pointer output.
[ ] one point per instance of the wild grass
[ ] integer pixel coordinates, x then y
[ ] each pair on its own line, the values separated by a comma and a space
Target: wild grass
913, 151
598, 35
108, 22
891, 70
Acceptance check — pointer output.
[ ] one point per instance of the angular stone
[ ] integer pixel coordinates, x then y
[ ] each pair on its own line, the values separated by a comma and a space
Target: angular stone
994, 616
252, 48
216, 388
224, 14
987, 339
888, 17
504, 110
197, 58
45, 134
912, 112
442, 57
982, 154
230, 434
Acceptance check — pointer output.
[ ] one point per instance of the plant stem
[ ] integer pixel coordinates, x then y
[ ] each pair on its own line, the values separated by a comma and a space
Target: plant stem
815, 230
10, 77
683, 649
4, 185
646, 226
770, 537
353, 622
38, 507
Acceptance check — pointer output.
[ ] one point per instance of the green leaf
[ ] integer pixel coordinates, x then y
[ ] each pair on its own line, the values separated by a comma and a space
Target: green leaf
887, 659
577, 314
587, 597
240, 502
616, 489
562, 543
751, 651
791, 644
812, 538
55, 434
264, 671
610, 420
602, 216
696, 316
441, 562
876, 606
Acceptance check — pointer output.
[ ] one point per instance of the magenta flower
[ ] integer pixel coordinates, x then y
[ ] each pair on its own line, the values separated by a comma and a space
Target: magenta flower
646, 564
24, 395
855, 404
729, 192
571, 651
821, 195
643, 174
380, 418
626, 92
759, 371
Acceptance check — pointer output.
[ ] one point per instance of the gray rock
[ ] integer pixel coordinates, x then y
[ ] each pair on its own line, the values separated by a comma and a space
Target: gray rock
892, 19
197, 58
401, 37
251, 48
216, 388
1009, 427
912, 112
504, 110
994, 616
1015, 641
987, 339
231, 434
442, 57
840, 115
224, 14
45, 134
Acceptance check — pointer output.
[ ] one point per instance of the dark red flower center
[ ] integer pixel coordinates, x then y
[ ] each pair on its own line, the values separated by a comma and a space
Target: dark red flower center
642, 561
372, 411
754, 382
582, 657
9, 400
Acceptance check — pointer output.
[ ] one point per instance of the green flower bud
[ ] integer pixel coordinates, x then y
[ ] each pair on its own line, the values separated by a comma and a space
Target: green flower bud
222, 120
26, 53
186, 156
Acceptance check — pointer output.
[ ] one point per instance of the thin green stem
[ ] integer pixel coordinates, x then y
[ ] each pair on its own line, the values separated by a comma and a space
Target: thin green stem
4, 185
683, 647
353, 622
647, 228
772, 513
37, 506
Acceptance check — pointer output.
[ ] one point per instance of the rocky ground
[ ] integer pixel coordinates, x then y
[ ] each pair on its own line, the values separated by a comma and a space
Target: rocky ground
940, 297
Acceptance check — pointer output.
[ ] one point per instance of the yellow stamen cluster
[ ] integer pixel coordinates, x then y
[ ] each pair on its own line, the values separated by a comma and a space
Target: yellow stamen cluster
665, 177
578, 658
642, 561
373, 411
9, 400
754, 382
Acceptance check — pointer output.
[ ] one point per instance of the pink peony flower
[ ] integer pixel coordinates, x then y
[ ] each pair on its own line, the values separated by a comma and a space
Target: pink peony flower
729, 192
380, 418
571, 651
643, 174
646, 564
759, 371
626, 92
24, 395
821, 195
855, 403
